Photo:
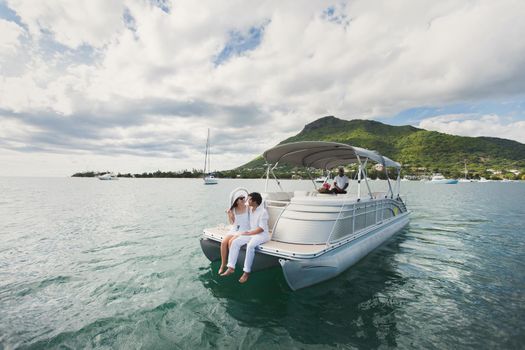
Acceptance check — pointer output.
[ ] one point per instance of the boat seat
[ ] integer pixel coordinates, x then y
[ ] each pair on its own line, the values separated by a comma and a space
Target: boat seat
302, 193
219, 232
277, 196
325, 199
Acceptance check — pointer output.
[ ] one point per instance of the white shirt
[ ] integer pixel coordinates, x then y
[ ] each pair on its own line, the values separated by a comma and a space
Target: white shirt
259, 218
242, 222
341, 181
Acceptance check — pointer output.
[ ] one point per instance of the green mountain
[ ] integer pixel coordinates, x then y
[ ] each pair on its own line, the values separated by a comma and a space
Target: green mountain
420, 151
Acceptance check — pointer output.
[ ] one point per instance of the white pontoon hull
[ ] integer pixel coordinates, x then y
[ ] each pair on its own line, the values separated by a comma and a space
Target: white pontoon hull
301, 272
306, 272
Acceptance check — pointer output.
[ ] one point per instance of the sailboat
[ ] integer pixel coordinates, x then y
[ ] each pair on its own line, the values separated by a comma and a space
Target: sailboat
209, 178
466, 172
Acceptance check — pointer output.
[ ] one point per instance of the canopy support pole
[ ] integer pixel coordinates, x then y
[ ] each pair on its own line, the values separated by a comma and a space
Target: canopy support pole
398, 182
275, 177
366, 181
359, 178
389, 185
267, 177
310, 177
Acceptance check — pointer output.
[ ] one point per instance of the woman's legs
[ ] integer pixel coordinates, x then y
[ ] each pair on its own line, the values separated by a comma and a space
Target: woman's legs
225, 244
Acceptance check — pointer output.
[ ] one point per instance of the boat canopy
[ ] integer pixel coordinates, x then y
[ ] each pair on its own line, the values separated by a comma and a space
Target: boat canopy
322, 155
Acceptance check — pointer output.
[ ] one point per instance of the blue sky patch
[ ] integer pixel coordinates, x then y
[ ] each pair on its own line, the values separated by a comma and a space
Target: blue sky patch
240, 42
514, 109
129, 20
164, 5
10, 15
332, 15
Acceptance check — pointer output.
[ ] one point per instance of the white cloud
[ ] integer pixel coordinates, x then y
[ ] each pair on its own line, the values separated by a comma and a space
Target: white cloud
9, 40
119, 69
472, 125
91, 22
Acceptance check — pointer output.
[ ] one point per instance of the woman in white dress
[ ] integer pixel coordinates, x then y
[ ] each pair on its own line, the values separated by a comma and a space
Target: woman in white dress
238, 217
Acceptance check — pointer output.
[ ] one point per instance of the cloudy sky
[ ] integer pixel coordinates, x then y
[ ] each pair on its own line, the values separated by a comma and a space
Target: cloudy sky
132, 86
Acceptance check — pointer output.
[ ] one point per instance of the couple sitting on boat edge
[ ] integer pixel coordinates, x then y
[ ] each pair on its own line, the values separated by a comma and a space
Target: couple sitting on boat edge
250, 228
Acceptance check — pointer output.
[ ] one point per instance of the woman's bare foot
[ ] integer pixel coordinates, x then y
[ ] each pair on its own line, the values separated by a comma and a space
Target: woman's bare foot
221, 270
244, 277
228, 272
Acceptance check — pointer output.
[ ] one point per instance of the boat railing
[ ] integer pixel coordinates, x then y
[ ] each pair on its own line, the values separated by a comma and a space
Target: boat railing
337, 220
364, 215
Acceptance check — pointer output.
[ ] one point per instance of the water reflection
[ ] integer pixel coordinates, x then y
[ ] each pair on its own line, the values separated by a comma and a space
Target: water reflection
356, 308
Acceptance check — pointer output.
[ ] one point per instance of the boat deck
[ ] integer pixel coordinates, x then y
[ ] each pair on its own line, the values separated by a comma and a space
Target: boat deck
272, 247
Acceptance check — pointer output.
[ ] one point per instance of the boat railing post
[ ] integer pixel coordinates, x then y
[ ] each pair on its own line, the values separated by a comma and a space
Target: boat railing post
335, 223
353, 220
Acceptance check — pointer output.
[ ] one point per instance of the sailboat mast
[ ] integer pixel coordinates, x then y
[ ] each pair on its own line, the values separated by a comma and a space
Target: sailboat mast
209, 152
206, 155
466, 169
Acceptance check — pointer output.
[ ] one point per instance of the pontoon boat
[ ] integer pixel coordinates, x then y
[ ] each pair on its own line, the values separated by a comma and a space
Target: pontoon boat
316, 236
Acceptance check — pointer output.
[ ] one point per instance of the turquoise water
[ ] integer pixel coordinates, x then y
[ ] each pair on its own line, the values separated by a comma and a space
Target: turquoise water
117, 264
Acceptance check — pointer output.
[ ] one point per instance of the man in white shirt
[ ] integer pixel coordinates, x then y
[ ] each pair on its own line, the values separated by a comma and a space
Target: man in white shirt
258, 234
340, 182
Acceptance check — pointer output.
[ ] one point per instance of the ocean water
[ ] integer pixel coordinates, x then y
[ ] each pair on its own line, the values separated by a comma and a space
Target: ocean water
117, 264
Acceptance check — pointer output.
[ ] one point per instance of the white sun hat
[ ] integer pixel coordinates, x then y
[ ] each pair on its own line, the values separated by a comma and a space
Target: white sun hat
236, 193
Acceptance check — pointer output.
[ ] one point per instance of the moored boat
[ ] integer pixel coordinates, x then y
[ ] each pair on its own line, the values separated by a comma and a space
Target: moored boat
316, 236
440, 179
108, 176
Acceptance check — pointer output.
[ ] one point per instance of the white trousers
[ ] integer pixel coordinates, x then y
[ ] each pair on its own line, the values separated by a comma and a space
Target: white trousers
251, 242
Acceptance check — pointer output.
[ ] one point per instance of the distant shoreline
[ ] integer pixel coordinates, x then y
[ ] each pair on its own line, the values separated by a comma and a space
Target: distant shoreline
293, 175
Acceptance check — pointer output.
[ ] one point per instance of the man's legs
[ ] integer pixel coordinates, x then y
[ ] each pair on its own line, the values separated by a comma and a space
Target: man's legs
250, 253
234, 252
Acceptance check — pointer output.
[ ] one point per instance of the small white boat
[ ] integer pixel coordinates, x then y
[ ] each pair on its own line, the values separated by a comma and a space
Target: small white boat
482, 179
209, 178
316, 236
108, 176
440, 179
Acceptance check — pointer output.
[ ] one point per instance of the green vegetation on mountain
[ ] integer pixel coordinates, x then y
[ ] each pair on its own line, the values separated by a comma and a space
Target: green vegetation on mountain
421, 152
